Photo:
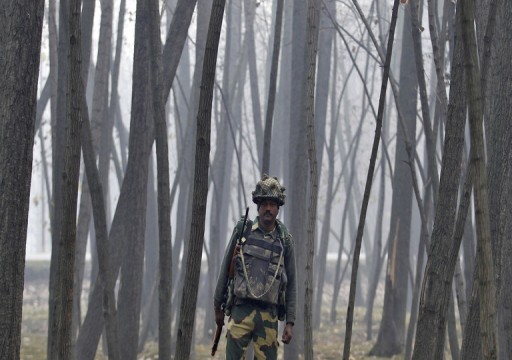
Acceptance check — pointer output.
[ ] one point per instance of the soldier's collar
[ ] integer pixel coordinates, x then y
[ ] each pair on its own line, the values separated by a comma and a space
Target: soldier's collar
256, 225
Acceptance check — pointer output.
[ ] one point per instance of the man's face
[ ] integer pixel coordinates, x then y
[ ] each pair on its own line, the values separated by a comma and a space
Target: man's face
268, 212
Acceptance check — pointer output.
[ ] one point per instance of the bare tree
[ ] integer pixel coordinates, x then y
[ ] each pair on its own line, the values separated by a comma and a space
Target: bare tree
434, 302
392, 327
193, 262
58, 138
70, 175
127, 230
20, 40
499, 168
309, 109
164, 196
101, 232
272, 87
369, 180
296, 176
485, 262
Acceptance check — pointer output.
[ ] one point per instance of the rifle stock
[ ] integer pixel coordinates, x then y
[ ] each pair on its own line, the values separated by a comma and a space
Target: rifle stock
216, 339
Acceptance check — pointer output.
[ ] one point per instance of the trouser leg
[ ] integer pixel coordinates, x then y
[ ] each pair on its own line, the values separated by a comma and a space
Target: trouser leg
239, 334
265, 336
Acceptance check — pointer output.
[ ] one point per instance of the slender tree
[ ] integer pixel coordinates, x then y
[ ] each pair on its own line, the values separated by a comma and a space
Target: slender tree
369, 180
193, 262
309, 103
70, 175
487, 295
297, 173
391, 336
127, 230
164, 196
58, 138
499, 168
272, 87
434, 302
101, 232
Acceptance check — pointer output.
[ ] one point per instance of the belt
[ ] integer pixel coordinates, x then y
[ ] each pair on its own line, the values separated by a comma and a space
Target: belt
261, 305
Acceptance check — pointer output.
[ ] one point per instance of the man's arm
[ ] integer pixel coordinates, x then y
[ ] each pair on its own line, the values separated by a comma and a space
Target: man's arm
291, 286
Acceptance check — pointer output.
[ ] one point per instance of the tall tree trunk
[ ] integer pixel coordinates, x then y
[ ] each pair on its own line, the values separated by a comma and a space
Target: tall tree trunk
471, 348
369, 180
221, 166
430, 140
485, 262
101, 232
297, 177
193, 262
164, 196
280, 142
250, 43
309, 110
21, 26
132, 255
498, 132
437, 287
58, 138
70, 175
390, 339
326, 226
188, 152
84, 212
129, 219
271, 99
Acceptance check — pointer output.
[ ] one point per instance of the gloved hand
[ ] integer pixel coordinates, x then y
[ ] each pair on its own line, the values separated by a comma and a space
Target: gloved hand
219, 316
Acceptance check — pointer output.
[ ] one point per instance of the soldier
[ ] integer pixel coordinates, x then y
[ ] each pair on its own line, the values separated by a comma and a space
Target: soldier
261, 288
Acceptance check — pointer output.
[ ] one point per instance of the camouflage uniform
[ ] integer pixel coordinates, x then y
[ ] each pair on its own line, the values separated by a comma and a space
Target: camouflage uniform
265, 290
252, 319
251, 322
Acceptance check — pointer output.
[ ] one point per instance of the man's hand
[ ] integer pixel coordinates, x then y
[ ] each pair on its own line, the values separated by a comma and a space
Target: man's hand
287, 333
219, 317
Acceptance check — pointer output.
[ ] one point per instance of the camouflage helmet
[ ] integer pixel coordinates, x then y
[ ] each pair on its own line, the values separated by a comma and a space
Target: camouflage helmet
269, 188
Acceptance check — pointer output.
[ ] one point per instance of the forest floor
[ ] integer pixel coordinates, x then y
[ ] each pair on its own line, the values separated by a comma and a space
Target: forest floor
328, 340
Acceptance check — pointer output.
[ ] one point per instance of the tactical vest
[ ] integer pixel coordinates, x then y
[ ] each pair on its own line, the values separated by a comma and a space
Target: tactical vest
259, 270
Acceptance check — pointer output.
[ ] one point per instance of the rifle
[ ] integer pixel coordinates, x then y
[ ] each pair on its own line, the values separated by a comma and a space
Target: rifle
230, 278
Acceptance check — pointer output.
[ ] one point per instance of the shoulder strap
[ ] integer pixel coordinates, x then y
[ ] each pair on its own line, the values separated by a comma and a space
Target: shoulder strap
284, 234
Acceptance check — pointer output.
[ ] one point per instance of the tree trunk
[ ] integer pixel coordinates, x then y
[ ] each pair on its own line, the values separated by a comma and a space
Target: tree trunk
21, 25
132, 254
390, 339
193, 262
369, 180
437, 285
250, 13
498, 134
58, 138
70, 175
309, 111
296, 177
129, 219
84, 212
430, 140
271, 99
164, 196
101, 232
187, 153
485, 262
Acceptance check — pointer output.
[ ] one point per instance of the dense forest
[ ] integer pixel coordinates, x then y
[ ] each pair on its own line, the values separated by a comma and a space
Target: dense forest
133, 132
